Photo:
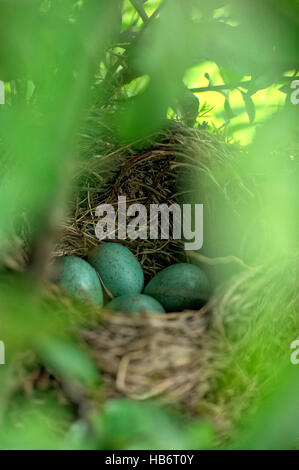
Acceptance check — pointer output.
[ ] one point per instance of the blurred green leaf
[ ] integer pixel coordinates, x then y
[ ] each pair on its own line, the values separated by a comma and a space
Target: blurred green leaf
227, 108
275, 426
230, 76
249, 105
126, 424
68, 361
37, 425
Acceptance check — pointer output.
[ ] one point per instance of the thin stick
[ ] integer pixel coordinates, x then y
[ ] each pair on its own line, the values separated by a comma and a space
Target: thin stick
231, 86
139, 8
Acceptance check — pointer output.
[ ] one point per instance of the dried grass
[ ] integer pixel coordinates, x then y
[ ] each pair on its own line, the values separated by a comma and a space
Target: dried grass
254, 319
148, 356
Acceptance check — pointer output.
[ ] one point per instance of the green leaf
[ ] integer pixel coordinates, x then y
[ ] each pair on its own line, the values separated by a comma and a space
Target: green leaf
188, 106
227, 108
127, 424
249, 105
230, 76
69, 361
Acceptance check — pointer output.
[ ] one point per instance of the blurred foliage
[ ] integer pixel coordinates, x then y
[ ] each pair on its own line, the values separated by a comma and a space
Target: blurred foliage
225, 62
150, 428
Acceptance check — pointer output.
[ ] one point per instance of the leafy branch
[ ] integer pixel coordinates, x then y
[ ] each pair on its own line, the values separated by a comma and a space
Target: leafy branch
231, 86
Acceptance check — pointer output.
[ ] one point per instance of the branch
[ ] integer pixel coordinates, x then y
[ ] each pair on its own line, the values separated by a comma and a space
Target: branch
139, 8
156, 12
232, 86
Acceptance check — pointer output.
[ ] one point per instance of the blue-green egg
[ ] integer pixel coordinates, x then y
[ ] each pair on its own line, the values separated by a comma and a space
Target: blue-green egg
120, 271
79, 280
179, 287
135, 303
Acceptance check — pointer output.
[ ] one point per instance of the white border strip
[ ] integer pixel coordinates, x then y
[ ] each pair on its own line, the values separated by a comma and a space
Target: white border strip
2, 92
2, 353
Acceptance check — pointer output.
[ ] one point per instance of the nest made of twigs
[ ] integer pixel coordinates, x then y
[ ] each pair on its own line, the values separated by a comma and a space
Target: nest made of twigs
146, 356
167, 356
158, 174
151, 355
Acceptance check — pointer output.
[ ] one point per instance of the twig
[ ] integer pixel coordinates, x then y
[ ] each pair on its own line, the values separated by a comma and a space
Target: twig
139, 8
156, 12
231, 86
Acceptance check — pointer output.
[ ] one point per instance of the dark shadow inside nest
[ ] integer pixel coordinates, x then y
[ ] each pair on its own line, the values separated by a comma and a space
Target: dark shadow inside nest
147, 178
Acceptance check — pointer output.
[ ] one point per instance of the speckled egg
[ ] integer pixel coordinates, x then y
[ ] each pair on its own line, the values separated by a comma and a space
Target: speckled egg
179, 287
135, 303
79, 279
118, 268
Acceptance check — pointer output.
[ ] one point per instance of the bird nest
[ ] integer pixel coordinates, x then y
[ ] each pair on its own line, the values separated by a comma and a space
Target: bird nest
160, 173
145, 356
